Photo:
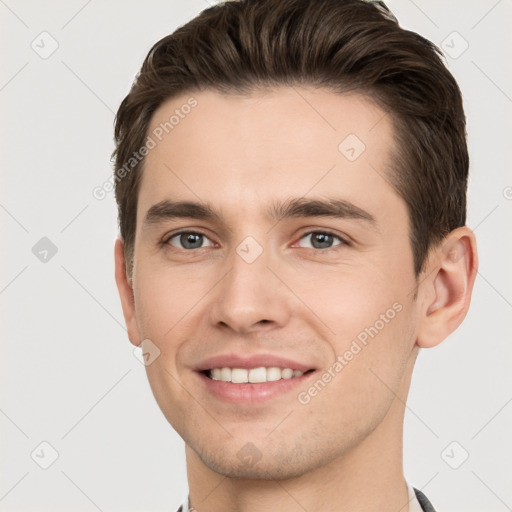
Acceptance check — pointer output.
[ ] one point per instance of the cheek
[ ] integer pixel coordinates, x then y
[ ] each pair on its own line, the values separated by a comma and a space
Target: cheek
351, 299
165, 298
371, 317
371, 356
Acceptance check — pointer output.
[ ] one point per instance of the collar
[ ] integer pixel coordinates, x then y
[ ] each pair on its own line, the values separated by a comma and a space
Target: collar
414, 504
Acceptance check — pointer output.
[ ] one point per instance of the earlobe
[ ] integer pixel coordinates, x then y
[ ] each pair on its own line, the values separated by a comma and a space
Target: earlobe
446, 291
126, 294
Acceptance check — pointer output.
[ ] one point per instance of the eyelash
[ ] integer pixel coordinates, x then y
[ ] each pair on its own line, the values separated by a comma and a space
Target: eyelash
343, 241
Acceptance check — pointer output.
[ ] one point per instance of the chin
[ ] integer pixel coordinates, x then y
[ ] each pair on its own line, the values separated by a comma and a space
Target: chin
280, 462
269, 470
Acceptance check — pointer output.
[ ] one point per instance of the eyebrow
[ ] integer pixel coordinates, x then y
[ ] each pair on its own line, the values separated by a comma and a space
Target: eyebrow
291, 208
302, 207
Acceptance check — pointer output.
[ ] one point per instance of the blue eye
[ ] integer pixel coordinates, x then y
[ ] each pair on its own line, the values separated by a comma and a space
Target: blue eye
322, 240
188, 240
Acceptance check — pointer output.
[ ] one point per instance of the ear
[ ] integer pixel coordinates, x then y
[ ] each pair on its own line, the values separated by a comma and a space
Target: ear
126, 294
444, 294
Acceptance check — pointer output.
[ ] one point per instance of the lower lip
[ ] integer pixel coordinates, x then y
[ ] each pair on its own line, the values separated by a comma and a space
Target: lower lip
249, 393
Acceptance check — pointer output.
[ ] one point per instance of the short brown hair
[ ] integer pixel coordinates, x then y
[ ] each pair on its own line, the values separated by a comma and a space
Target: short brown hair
342, 45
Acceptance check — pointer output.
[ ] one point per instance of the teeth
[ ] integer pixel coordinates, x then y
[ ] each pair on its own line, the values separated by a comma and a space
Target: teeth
255, 375
239, 375
225, 374
273, 373
287, 373
258, 374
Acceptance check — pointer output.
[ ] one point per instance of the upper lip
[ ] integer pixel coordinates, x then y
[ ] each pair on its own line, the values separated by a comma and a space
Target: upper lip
252, 361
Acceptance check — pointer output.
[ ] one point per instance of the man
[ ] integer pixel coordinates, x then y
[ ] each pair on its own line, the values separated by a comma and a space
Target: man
291, 179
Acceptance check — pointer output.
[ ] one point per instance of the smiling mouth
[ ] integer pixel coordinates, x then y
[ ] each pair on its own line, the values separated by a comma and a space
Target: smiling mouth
261, 374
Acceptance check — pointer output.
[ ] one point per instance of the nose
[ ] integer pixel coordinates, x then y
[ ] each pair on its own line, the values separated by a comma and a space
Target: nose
250, 297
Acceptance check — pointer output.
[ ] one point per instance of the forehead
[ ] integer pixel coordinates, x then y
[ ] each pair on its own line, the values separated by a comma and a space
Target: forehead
243, 150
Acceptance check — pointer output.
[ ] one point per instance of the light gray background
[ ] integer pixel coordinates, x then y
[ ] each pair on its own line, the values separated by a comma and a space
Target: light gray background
68, 374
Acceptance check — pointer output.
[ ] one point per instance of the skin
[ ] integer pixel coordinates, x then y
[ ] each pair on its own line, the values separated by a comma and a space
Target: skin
342, 450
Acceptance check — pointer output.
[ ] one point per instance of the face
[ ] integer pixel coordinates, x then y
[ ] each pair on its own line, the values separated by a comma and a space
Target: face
296, 258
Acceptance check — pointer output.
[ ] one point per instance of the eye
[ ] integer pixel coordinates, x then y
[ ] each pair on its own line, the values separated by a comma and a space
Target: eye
188, 240
322, 240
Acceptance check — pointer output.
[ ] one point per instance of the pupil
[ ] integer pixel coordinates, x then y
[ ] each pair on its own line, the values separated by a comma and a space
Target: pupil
191, 239
322, 240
